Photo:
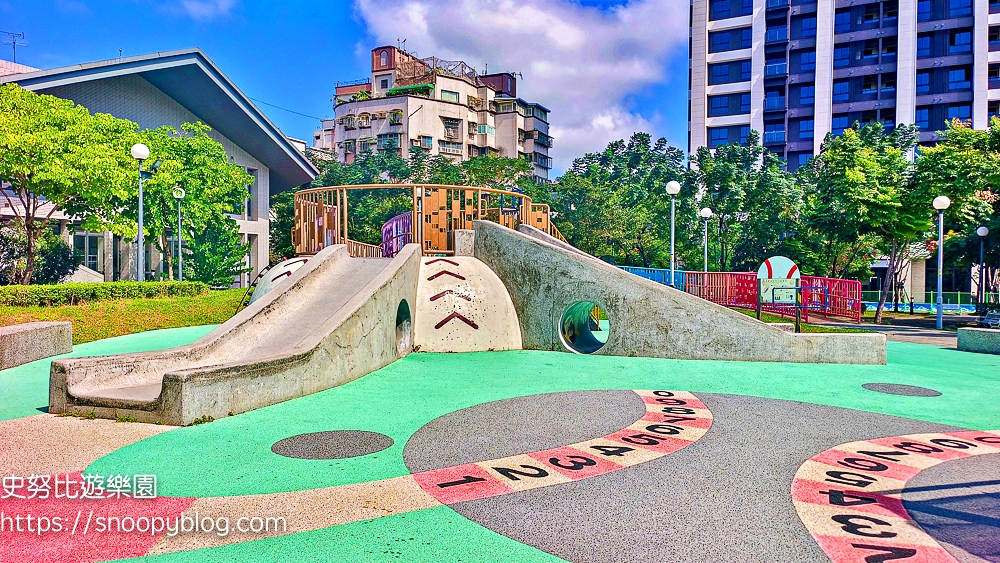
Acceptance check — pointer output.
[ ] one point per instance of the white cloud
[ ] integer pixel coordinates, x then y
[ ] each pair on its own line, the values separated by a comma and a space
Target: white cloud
206, 9
581, 62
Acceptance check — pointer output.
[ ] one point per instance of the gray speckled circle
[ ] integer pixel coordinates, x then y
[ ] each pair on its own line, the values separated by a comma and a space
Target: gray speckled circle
337, 444
957, 503
897, 389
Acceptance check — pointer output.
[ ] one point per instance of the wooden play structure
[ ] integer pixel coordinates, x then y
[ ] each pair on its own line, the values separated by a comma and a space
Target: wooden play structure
438, 210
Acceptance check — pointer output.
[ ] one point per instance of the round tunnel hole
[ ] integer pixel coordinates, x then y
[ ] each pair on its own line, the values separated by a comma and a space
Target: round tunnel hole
404, 329
585, 327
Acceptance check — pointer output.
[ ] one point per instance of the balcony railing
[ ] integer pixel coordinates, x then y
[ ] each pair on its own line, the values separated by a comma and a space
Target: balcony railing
543, 139
774, 102
774, 137
776, 69
540, 159
776, 35
774, 4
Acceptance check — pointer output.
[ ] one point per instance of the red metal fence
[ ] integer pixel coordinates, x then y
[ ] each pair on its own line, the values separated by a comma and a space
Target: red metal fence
827, 296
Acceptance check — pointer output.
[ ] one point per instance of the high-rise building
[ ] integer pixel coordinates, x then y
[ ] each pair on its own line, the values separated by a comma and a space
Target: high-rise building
797, 69
442, 107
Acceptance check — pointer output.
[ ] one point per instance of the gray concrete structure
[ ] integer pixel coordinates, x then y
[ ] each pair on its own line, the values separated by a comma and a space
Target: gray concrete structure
332, 321
982, 340
646, 318
173, 88
27, 342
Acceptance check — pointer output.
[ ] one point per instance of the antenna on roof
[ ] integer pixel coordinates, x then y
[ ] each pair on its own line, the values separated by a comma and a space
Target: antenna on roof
14, 40
404, 44
486, 70
119, 53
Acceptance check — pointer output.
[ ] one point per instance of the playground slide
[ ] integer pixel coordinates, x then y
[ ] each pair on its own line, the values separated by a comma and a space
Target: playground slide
548, 280
334, 319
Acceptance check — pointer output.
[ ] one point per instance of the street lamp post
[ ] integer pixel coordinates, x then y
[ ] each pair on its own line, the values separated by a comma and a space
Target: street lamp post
982, 232
940, 203
140, 152
706, 214
673, 188
179, 195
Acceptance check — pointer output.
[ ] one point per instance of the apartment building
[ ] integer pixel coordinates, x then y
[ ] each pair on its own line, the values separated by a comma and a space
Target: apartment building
442, 107
797, 69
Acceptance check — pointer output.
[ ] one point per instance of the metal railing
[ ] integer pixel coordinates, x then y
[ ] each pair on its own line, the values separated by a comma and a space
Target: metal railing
777, 4
774, 102
776, 34
776, 69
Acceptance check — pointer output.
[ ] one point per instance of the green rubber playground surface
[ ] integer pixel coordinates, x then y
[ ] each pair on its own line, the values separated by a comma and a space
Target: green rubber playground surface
24, 390
232, 456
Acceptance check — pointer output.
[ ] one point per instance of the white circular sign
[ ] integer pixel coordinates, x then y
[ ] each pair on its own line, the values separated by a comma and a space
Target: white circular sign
778, 267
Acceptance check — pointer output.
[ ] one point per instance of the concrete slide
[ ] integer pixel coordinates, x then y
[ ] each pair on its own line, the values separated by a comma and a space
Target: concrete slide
333, 320
546, 278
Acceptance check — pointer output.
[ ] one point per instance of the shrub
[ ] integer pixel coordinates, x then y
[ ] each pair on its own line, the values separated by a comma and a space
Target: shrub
76, 293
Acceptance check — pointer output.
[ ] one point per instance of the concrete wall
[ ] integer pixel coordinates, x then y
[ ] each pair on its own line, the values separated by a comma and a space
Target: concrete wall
647, 319
358, 338
982, 340
27, 342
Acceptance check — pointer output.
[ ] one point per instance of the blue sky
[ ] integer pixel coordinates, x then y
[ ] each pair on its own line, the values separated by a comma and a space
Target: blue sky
605, 69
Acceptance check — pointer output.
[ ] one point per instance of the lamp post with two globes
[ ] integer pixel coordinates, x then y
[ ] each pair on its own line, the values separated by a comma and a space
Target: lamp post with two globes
982, 232
140, 152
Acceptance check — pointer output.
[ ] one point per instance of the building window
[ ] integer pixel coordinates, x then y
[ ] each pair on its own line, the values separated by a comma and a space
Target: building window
961, 42
923, 10
717, 136
959, 111
719, 9
746, 38
718, 41
808, 27
364, 145
841, 91
890, 10
383, 58
888, 119
719, 74
994, 36
448, 147
869, 85
841, 56
384, 84
807, 95
807, 61
922, 118
349, 145
806, 129
364, 120
992, 110
870, 50
449, 96
388, 141
423, 142
923, 82
958, 79
396, 117
959, 8
923, 46
774, 133
89, 249
888, 82
746, 7
490, 130
349, 122
804, 158
838, 124
718, 105
745, 103
745, 70
744, 133
871, 13
842, 21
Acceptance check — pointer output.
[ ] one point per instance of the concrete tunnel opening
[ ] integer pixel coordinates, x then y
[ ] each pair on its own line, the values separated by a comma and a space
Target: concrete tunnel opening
585, 327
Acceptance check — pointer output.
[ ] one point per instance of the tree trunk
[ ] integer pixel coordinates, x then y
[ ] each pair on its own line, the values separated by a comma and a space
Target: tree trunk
889, 276
30, 234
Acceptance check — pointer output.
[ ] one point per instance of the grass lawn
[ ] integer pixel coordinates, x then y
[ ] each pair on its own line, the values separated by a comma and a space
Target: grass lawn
106, 319
769, 318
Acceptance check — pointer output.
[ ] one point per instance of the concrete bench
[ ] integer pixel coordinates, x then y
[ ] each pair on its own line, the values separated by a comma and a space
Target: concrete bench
982, 340
27, 342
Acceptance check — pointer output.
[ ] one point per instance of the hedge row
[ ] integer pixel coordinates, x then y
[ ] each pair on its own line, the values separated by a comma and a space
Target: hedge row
76, 293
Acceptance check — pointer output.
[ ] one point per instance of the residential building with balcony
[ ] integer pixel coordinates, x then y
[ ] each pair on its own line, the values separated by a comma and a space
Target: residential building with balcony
798, 69
443, 107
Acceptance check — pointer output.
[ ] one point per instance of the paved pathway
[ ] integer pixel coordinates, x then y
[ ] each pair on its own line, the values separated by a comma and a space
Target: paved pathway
917, 335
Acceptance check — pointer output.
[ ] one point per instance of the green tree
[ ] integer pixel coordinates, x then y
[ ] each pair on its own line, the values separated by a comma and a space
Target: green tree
217, 254
196, 162
613, 203
54, 258
864, 186
56, 152
755, 202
